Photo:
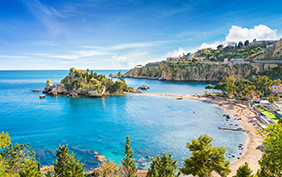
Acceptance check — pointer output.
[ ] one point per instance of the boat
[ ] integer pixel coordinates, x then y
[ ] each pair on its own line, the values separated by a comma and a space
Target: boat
179, 98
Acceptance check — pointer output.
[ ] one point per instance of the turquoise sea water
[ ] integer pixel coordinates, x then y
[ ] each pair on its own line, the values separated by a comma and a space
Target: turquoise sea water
154, 124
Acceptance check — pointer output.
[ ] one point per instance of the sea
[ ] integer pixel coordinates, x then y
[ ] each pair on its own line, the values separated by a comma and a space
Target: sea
91, 126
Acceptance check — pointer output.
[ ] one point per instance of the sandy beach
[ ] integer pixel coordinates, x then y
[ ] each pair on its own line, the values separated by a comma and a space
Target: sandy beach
252, 152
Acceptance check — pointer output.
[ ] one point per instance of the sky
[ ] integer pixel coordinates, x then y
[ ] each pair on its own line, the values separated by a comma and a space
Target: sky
119, 34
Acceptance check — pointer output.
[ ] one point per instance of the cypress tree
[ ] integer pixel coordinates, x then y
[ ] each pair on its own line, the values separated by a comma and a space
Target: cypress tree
129, 164
38, 165
163, 166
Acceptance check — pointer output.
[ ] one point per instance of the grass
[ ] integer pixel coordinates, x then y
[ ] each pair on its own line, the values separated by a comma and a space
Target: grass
272, 116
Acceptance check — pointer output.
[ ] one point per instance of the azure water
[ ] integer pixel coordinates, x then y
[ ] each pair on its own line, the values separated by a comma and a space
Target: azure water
154, 124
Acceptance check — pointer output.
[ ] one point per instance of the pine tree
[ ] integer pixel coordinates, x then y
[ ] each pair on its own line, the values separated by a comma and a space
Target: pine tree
163, 166
74, 168
205, 158
15, 155
62, 160
244, 171
30, 169
65, 165
129, 164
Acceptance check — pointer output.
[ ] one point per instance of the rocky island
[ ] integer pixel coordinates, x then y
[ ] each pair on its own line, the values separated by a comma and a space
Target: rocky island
87, 83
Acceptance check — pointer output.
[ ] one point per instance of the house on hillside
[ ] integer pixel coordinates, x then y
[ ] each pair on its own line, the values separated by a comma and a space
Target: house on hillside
255, 42
232, 44
276, 88
139, 66
153, 63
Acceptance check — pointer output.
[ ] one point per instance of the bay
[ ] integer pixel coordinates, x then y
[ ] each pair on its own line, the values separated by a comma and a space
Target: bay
154, 124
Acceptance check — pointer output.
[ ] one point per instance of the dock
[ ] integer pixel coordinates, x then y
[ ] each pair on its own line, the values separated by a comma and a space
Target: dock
234, 129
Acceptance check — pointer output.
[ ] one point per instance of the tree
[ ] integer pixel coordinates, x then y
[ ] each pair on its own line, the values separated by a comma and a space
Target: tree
38, 164
4, 141
163, 166
271, 99
271, 161
65, 165
246, 43
244, 171
209, 86
60, 165
220, 46
205, 158
128, 163
74, 168
240, 44
15, 156
30, 169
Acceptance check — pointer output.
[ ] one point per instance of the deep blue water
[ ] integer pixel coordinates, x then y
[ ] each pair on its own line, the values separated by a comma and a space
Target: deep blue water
154, 124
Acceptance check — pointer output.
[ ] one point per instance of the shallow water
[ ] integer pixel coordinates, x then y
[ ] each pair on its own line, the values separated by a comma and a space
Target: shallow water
154, 124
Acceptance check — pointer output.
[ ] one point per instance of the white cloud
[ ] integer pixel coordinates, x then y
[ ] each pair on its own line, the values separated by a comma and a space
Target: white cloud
176, 53
237, 33
212, 45
130, 45
119, 61
261, 32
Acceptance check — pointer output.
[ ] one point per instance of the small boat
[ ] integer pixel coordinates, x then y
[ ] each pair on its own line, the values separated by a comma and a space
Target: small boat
179, 98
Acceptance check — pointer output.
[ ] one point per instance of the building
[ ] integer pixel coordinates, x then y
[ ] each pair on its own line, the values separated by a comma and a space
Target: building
232, 43
255, 42
153, 63
238, 61
139, 66
276, 88
225, 61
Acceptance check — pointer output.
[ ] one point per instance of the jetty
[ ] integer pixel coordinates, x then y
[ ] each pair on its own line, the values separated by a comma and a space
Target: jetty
234, 129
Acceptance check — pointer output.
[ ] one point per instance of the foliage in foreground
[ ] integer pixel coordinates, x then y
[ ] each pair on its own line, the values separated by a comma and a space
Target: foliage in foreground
271, 161
205, 158
163, 166
244, 171
18, 161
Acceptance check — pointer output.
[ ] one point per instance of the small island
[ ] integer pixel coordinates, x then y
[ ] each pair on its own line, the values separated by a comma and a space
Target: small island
87, 83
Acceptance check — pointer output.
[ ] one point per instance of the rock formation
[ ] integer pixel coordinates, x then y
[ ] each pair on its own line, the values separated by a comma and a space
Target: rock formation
79, 82
144, 87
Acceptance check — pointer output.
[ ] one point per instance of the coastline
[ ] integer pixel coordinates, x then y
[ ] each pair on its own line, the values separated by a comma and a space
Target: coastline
252, 152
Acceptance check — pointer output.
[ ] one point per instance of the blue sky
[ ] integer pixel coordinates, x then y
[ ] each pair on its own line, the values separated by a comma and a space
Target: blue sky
119, 34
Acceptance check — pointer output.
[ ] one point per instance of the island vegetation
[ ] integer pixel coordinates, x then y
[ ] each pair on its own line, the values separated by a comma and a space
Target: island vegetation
19, 161
88, 83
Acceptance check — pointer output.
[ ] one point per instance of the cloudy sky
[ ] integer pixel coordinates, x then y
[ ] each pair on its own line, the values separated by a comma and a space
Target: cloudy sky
119, 34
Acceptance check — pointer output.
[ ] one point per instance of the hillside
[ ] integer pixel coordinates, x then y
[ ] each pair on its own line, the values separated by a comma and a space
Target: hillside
191, 72
275, 51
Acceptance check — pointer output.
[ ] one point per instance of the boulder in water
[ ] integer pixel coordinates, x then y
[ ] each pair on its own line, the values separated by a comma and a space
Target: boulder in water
101, 158
144, 87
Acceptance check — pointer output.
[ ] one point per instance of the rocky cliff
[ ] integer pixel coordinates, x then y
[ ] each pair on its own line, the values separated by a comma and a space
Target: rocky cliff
275, 51
191, 72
